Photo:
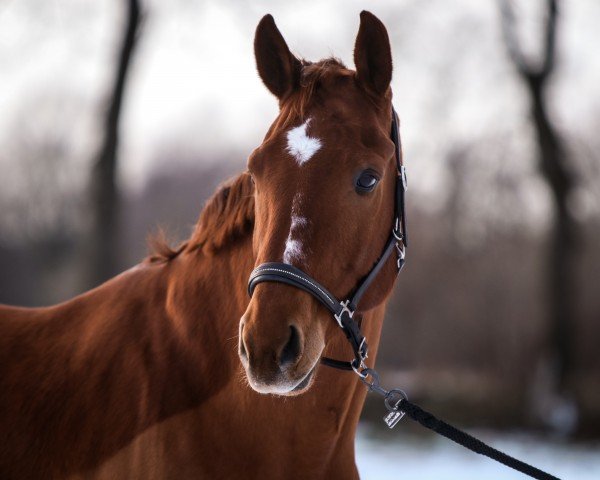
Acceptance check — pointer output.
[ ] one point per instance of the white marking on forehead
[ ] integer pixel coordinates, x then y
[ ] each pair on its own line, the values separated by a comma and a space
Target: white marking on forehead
300, 145
293, 245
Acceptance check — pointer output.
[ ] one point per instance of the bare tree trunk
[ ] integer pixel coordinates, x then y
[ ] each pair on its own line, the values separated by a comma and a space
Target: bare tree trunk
103, 257
553, 166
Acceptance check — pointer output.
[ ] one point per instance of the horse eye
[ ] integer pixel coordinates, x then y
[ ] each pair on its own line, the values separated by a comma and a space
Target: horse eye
366, 182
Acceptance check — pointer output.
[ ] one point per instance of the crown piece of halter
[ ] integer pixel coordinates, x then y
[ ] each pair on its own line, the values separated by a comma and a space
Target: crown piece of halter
343, 311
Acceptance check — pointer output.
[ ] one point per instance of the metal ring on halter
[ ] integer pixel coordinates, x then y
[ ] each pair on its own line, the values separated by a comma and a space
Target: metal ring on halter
360, 369
396, 396
368, 372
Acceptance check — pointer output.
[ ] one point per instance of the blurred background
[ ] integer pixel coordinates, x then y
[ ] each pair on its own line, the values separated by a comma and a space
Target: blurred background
117, 117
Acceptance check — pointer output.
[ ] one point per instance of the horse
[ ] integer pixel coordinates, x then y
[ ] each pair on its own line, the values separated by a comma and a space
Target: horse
170, 369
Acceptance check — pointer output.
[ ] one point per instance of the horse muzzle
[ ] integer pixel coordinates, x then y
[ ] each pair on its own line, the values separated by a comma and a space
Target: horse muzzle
279, 356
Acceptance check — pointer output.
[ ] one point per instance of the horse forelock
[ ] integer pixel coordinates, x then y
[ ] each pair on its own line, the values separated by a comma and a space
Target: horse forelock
313, 73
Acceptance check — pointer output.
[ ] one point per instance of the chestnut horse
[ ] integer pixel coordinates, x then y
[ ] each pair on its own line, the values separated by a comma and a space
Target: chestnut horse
141, 377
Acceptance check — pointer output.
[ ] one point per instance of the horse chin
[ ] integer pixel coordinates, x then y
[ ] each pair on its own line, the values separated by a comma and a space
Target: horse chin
286, 388
304, 384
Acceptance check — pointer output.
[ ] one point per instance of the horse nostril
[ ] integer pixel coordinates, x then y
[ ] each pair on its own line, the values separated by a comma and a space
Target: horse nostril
243, 351
291, 350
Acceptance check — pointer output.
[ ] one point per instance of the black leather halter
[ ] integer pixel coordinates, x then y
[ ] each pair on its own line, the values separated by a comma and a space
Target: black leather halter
343, 311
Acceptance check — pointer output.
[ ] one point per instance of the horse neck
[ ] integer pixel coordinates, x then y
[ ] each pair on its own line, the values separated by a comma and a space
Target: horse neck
127, 355
206, 297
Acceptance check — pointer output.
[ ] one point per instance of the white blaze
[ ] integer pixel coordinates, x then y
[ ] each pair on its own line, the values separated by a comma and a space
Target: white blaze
293, 245
300, 145
302, 148
293, 251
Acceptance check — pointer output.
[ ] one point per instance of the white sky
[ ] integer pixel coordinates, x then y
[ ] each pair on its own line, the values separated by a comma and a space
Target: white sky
194, 90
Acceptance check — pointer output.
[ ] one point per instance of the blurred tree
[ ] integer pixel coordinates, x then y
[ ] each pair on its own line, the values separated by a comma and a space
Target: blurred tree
554, 167
40, 219
104, 196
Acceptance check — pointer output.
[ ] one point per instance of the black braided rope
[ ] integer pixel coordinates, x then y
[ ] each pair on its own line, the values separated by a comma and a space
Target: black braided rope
432, 423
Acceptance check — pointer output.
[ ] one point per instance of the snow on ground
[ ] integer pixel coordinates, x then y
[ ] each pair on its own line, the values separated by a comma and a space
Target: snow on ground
414, 457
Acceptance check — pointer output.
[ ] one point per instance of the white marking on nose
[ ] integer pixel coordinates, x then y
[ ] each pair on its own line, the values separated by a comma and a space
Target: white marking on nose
300, 145
293, 245
293, 251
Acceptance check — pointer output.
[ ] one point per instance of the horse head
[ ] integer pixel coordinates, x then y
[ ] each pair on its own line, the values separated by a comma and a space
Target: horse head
325, 179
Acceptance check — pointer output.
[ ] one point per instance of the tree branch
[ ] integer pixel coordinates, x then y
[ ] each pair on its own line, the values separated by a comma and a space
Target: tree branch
104, 195
550, 40
509, 33
511, 40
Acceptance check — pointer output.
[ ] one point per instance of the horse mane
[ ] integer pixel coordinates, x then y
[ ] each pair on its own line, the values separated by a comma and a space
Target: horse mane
227, 216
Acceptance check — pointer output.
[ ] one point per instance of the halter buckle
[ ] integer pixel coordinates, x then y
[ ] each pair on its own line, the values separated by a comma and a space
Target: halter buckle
398, 235
363, 350
345, 309
401, 254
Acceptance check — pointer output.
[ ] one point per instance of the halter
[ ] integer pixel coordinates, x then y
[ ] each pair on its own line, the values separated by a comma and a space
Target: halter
343, 311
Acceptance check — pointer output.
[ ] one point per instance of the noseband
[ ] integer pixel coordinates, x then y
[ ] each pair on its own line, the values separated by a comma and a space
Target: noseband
343, 311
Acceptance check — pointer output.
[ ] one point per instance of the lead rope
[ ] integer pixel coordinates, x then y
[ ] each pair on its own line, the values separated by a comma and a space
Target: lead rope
398, 406
396, 401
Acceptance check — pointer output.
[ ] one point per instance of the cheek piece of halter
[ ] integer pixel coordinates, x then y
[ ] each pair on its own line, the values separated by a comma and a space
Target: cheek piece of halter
343, 311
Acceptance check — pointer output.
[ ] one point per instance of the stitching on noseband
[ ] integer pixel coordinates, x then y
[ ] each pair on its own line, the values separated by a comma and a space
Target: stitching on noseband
297, 276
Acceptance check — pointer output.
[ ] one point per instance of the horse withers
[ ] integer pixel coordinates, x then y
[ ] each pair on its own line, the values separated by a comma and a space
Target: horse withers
170, 370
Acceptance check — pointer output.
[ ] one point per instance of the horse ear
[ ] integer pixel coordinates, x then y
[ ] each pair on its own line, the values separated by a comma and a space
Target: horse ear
372, 54
277, 67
